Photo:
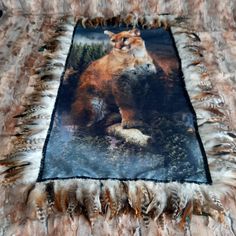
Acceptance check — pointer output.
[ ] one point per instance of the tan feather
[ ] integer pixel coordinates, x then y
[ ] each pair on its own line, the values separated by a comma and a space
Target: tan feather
146, 200
105, 199
217, 205
50, 196
215, 111
194, 63
161, 221
156, 23
205, 96
122, 197
216, 215
198, 201
11, 179
131, 20
187, 215
91, 201
205, 85
43, 86
109, 205
61, 198
72, 201
30, 109
134, 198
195, 47
12, 170
174, 201
183, 201
115, 21
97, 21
223, 149
38, 199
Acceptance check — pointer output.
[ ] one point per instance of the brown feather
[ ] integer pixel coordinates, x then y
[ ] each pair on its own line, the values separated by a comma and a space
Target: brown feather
187, 215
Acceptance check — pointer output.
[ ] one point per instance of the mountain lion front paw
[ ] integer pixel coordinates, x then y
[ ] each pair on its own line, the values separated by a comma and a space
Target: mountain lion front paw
128, 124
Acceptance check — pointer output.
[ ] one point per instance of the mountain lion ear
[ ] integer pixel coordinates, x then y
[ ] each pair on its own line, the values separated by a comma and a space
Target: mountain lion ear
109, 33
135, 32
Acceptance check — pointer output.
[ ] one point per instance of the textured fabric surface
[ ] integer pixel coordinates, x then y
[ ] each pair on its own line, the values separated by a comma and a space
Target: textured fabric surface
175, 152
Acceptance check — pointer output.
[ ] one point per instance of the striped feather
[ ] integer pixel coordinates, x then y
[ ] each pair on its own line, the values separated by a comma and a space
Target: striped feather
49, 188
145, 201
161, 221
174, 201
72, 201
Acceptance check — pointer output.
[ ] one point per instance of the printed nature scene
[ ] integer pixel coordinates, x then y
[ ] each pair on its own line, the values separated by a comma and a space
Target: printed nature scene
123, 112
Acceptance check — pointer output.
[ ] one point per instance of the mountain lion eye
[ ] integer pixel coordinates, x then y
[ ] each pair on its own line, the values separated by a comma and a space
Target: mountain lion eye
113, 40
124, 39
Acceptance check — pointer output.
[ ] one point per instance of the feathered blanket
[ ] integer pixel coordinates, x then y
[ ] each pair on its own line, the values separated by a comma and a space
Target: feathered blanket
148, 201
